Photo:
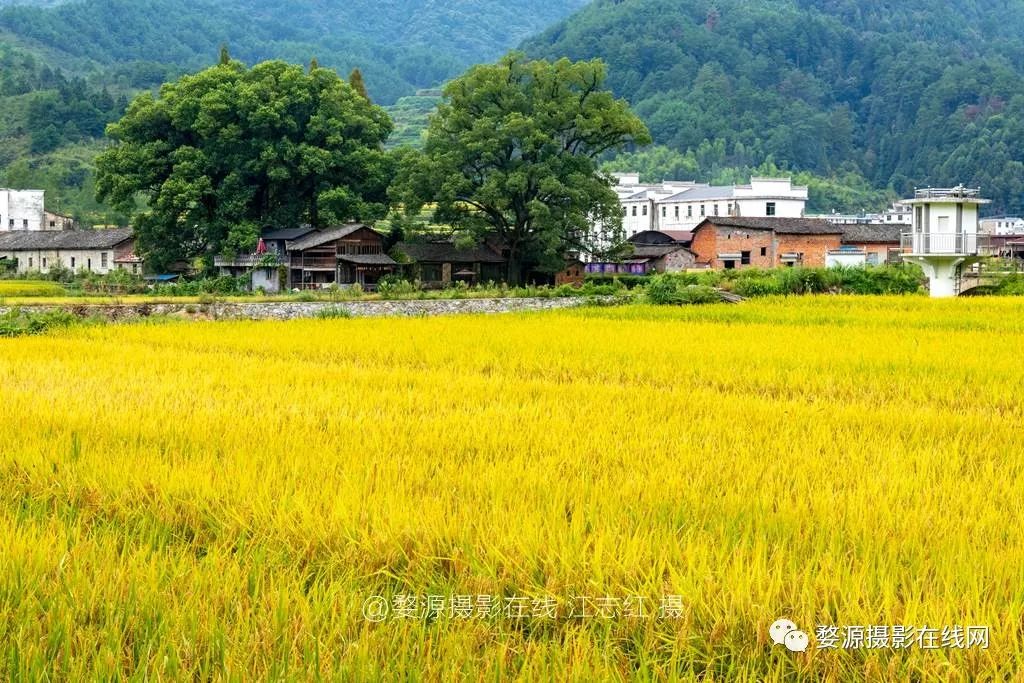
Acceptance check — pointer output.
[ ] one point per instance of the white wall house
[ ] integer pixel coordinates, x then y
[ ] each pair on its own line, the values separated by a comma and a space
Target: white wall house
899, 213
95, 251
1002, 225
21, 210
681, 205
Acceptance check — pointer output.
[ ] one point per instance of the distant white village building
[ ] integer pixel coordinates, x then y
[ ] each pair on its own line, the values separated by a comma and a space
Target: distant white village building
899, 213
1001, 225
682, 205
22, 210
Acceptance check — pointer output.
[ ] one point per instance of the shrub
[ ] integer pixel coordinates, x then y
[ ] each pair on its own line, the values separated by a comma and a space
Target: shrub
672, 290
17, 322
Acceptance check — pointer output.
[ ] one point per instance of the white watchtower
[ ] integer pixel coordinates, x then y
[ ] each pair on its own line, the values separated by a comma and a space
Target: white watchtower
945, 236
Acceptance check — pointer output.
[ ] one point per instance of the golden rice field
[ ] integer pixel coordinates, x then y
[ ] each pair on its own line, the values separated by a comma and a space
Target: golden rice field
218, 501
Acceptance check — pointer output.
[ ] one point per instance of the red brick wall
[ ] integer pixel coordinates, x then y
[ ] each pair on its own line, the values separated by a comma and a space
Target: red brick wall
710, 241
813, 247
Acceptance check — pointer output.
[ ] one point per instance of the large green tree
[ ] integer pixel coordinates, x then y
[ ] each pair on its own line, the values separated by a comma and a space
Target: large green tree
222, 153
512, 152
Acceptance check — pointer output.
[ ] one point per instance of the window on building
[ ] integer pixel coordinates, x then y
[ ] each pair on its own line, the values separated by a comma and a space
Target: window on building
88, 264
764, 251
634, 211
103, 260
745, 258
12, 224
135, 268
24, 224
664, 212
29, 261
689, 210
769, 209
702, 210
716, 209
72, 261
53, 224
677, 211
44, 263
872, 258
730, 208
729, 265
645, 209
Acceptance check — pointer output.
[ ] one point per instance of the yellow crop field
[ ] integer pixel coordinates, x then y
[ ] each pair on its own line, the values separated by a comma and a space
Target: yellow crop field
628, 493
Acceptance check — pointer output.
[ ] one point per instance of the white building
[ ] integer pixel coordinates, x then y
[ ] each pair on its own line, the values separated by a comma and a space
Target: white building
94, 251
21, 210
682, 205
1002, 225
944, 236
899, 213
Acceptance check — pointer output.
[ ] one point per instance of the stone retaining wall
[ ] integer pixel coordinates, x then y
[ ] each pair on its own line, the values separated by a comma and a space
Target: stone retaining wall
292, 310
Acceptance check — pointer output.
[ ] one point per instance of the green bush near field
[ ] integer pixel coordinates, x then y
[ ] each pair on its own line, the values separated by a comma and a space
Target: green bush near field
755, 282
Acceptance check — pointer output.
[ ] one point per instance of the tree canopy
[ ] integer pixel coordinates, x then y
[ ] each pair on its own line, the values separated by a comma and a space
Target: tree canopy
512, 153
222, 153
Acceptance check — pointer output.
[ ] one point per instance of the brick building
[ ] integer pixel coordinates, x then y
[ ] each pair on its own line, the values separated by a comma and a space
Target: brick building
879, 242
724, 242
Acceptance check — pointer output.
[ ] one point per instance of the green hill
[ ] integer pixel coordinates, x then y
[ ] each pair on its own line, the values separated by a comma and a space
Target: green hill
904, 93
400, 45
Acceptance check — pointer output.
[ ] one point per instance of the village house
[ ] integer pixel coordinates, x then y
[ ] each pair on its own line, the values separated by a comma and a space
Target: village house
442, 263
58, 221
21, 210
344, 255
681, 205
94, 251
870, 244
652, 251
898, 213
263, 268
304, 258
1001, 225
725, 242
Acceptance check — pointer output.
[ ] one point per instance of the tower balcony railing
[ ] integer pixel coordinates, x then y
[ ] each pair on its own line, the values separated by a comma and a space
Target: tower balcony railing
959, 192
946, 244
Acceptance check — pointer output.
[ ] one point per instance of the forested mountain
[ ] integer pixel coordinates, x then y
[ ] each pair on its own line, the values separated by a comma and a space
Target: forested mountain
905, 93
67, 67
400, 45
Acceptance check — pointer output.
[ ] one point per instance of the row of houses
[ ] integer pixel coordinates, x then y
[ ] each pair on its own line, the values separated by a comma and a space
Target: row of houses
356, 254
727, 242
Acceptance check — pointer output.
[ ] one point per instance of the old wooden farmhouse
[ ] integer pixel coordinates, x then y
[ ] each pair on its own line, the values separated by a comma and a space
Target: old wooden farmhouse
304, 258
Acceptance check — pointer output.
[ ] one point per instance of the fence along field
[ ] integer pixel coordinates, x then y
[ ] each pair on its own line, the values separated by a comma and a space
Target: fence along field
218, 500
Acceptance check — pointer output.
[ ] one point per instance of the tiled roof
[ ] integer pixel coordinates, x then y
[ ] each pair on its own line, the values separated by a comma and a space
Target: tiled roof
286, 233
446, 252
315, 239
873, 232
788, 226
368, 259
63, 239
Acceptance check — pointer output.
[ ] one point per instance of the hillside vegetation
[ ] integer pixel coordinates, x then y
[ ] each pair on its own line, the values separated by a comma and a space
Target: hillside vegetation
905, 94
400, 45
